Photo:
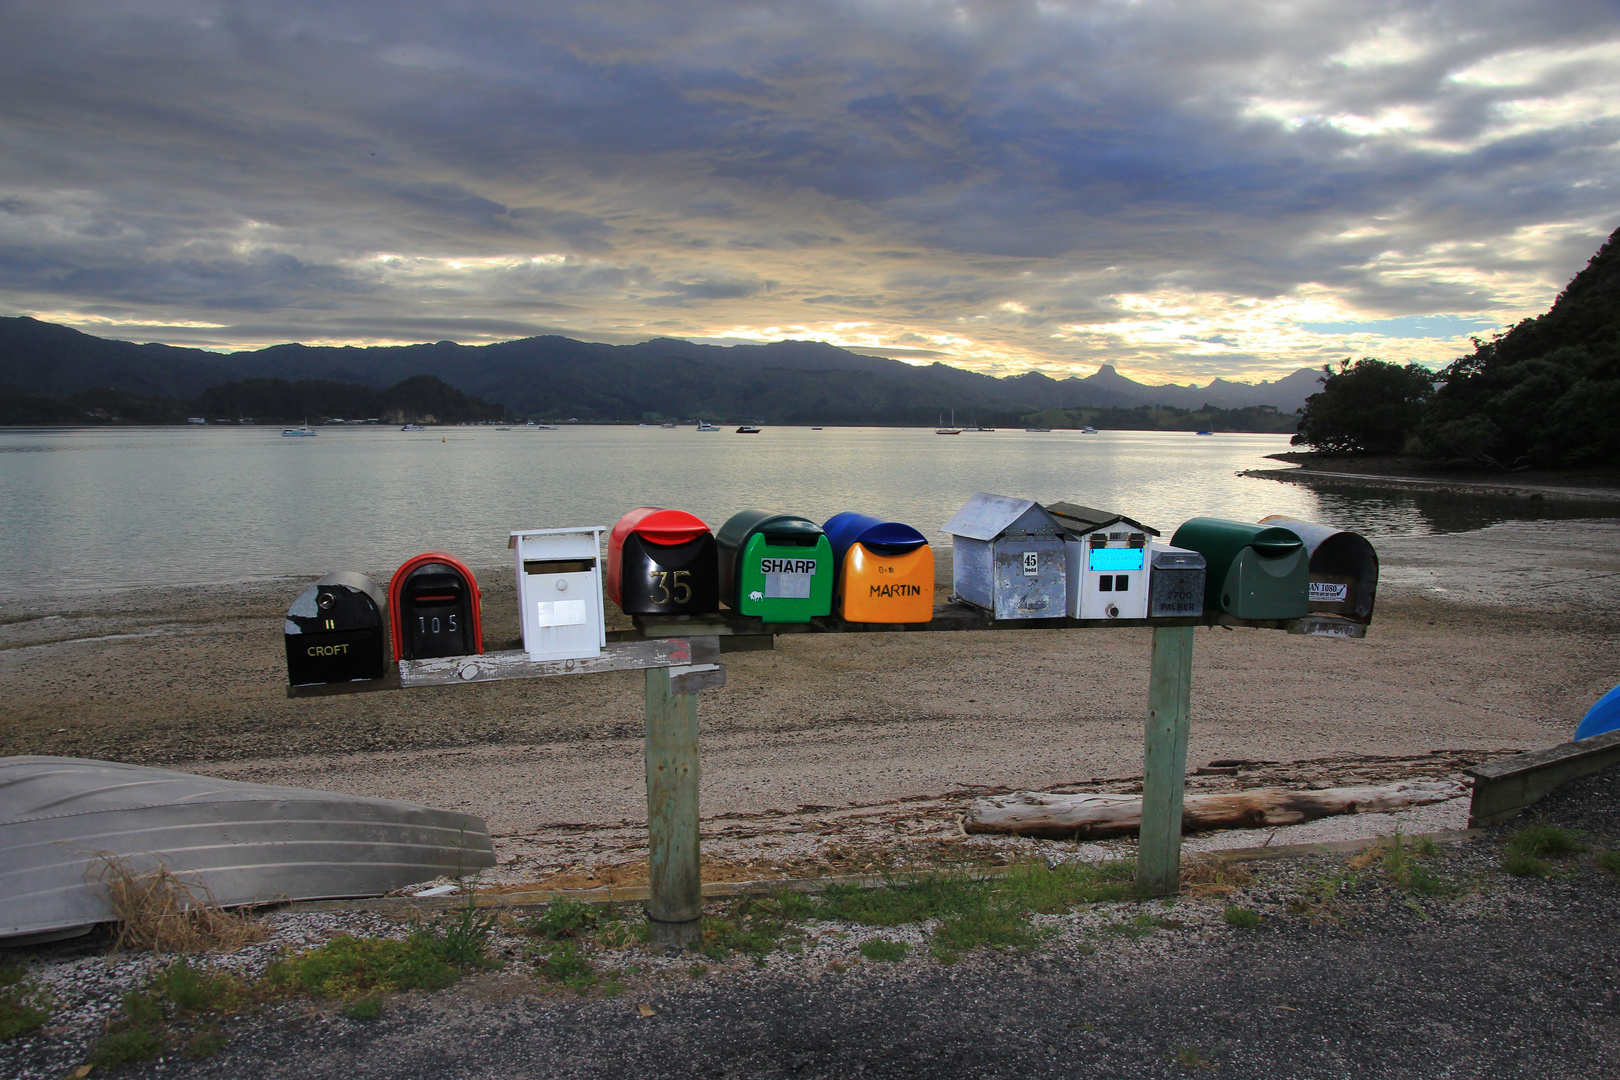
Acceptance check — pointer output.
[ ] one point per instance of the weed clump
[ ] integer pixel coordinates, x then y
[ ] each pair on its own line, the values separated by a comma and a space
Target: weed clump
159, 911
156, 1019
348, 967
1609, 861
884, 950
1527, 849
24, 1006
1241, 917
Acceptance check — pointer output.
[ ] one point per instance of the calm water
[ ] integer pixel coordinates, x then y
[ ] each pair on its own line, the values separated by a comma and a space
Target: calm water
93, 508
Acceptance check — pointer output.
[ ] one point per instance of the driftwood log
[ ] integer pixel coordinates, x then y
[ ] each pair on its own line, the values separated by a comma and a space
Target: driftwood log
1096, 816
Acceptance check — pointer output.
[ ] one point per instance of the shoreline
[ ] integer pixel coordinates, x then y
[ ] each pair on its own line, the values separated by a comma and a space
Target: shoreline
1399, 474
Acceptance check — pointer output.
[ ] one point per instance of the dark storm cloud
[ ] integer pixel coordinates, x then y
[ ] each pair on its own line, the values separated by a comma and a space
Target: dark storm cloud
403, 166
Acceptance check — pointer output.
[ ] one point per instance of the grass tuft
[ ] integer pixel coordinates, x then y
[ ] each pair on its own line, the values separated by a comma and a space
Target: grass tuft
159, 911
366, 1008
564, 962
1543, 840
1609, 861
24, 1006
348, 967
1241, 917
1191, 1057
1521, 865
883, 949
561, 919
205, 1044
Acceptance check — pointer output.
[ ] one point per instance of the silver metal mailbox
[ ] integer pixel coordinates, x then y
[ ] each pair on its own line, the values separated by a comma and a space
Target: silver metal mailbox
1107, 562
1344, 568
1176, 588
1009, 558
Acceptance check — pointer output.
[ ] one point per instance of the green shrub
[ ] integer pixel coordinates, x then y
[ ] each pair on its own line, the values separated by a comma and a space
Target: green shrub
349, 967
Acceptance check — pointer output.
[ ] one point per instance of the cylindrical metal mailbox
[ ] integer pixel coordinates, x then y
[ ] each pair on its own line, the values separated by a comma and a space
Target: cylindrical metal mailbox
1254, 571
776, 567
884, 570
1344, 568
663, 562
435, 609
334, 631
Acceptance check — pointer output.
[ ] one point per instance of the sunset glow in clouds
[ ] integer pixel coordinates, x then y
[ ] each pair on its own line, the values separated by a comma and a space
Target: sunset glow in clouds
1184, 190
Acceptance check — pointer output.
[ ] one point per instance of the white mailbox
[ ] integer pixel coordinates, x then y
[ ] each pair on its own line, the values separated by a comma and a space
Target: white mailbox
559, 579
1107, 562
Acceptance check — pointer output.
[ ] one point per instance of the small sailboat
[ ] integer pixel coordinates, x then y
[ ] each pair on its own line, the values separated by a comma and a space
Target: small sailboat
951, 430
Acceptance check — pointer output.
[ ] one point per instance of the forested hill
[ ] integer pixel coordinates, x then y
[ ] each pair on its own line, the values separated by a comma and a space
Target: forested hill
781, 382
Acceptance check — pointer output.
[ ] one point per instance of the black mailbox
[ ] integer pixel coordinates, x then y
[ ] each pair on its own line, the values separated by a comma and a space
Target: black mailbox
335, 632
435, 609
663, 562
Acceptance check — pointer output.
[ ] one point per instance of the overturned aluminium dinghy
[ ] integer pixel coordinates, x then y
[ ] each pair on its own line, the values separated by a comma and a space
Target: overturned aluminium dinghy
63, 821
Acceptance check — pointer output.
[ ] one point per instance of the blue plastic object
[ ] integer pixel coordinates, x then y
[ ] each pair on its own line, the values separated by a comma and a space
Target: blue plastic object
876, 535
1604, 716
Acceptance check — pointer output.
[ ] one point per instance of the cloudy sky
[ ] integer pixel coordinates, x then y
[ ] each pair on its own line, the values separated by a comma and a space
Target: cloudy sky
1183, 189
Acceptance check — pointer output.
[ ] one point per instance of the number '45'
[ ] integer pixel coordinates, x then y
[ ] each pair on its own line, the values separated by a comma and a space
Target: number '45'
672, 585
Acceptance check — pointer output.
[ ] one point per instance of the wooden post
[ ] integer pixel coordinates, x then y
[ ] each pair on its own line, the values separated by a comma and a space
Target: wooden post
1164, 779
676, 904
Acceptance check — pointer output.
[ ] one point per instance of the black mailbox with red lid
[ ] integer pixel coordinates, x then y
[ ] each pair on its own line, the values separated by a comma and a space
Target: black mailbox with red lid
435, 608
663, 562
335, 632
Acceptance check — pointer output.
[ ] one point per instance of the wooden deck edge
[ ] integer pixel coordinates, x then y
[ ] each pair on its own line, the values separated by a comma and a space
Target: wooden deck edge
1507, 786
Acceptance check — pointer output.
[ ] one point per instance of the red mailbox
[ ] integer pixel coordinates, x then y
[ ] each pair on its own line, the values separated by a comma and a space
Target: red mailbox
662, 562
434, 605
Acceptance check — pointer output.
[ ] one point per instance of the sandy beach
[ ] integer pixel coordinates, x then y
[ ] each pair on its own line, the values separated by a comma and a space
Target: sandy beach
834, 751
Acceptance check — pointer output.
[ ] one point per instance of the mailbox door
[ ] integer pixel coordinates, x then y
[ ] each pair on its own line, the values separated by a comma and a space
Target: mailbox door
887, 588
1176, 587
1258, 587
781, 582
334, 632
1031, 575
562, 609
669, 579
435, 609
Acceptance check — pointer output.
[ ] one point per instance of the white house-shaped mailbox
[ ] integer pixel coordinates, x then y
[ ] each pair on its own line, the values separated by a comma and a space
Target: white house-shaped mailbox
559, 579
1008, 558
1107, 562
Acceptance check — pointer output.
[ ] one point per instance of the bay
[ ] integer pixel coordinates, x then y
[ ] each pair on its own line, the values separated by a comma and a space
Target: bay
96, 508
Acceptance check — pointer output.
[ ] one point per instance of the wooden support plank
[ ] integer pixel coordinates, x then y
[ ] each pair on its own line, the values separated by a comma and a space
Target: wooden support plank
1164, 776
1506, 786
616, 656
675, 904
959, 617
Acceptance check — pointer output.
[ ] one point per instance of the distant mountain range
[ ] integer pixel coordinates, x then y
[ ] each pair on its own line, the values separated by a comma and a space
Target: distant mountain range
780, 383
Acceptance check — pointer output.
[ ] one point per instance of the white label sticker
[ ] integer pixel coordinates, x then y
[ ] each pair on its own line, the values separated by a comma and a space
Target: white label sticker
1325, 592
787, 586
1032, 563
560, 612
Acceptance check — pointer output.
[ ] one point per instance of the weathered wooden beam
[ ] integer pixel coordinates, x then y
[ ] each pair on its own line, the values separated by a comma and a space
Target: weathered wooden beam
957, 617
1164, 772
675, 881
1098, 816
1506, 786
615, 656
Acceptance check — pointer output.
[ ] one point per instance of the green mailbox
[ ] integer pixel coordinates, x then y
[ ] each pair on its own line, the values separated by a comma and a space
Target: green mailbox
776, 567
1254, 572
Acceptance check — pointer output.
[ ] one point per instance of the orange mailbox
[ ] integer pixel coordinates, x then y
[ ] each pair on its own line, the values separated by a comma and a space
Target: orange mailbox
885, 570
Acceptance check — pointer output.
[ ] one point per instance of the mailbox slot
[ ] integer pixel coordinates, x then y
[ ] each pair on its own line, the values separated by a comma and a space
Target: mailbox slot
885, 570
435, 608
334, 631
1176, 584
663, 562
559, 582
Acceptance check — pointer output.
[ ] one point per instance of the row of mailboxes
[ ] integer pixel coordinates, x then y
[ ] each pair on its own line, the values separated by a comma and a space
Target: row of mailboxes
1014, 558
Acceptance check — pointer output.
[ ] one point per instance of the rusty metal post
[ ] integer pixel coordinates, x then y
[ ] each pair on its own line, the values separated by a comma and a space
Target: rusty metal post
1164, 778
675, 907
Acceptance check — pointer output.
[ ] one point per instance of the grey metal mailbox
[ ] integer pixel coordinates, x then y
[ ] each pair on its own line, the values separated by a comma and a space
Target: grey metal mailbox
1176, 588
1009, 558
1344, 568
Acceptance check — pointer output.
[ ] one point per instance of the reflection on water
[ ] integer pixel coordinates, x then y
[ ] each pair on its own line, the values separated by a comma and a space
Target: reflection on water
93, 508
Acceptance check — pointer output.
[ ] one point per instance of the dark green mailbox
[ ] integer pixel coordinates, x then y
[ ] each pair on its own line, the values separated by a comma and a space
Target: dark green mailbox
776, 567
1254, 571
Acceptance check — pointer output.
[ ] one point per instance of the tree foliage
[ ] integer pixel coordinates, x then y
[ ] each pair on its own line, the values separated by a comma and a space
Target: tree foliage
1369, 407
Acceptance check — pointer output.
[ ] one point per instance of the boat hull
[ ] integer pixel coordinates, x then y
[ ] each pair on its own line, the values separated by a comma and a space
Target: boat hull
64, 821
